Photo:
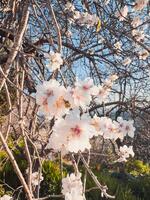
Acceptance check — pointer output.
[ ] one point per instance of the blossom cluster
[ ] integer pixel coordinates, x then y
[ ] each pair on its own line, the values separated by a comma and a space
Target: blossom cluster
73, 133
72, 187
137, 31
74, 127
55, 100
82, 18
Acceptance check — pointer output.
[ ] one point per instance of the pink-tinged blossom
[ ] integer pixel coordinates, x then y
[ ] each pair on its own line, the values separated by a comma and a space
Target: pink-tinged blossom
109, 129
72, 187
125, 152
126, 127
80, 95
110, 81
123, 13
72, 133
113, 77
96, 123
85, 85
140, 4
49, 96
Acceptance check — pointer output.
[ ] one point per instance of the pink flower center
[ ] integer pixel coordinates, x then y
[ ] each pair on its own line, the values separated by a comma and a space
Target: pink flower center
76, 131
86, 87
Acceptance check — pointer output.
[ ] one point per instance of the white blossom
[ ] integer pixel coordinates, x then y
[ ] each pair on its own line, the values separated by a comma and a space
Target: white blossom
72, 133
72, 187
101, 92
96, 123
106, 128
125, 152
49, 96
80, 95
55, 60
126, 127
77, 15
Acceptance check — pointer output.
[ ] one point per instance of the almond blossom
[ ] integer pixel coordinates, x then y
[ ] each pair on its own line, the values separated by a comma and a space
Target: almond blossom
86, 19
55, 61
80, 95
106, 128
123, 13
140, 4
125, 152
72, 133
49, 96
126, 127
72, 187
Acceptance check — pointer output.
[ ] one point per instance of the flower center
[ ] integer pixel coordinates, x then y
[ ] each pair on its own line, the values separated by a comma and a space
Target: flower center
86, 87
76, 131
